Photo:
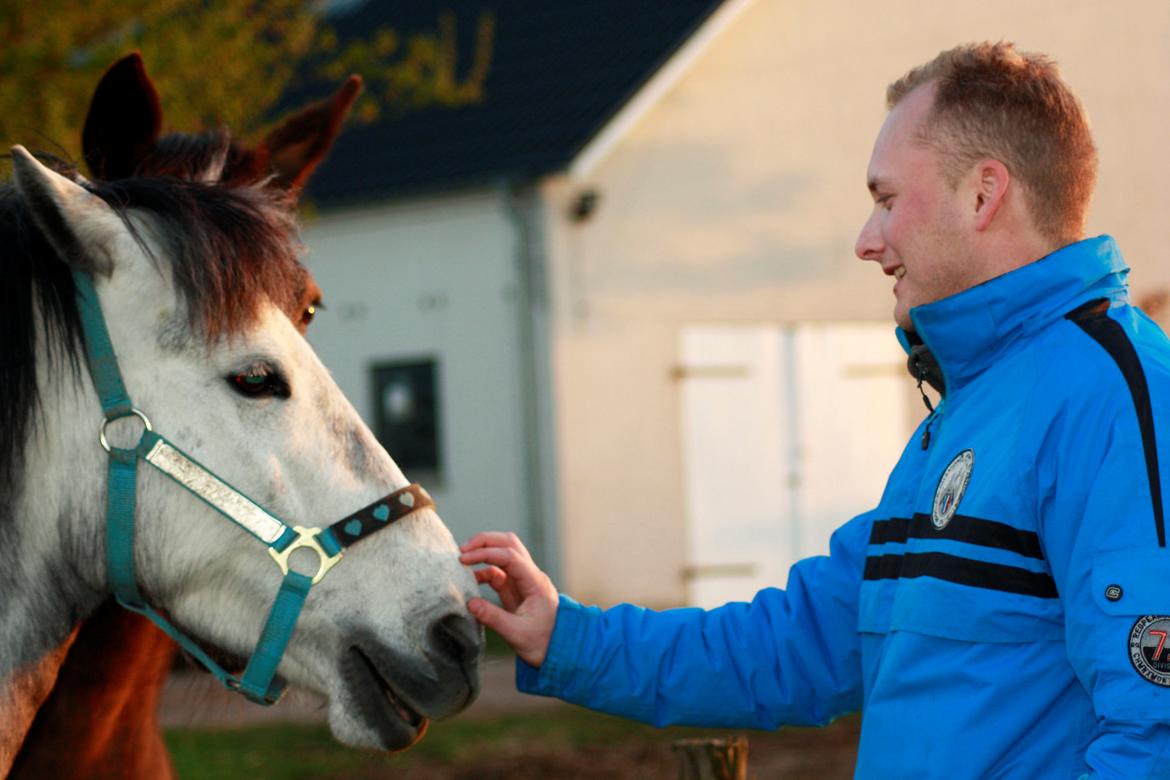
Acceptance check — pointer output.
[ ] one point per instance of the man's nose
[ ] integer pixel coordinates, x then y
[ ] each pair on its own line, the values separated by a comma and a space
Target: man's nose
869, 244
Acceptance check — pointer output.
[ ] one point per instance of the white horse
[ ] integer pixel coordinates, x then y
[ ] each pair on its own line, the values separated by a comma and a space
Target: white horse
191, 278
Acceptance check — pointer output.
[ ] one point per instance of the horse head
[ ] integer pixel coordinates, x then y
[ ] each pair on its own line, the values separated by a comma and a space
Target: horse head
195, 279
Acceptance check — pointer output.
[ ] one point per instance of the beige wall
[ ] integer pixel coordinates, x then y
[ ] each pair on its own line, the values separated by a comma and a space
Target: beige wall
737, 198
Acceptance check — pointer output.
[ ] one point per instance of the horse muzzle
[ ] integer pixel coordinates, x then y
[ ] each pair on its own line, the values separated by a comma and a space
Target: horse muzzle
396, 694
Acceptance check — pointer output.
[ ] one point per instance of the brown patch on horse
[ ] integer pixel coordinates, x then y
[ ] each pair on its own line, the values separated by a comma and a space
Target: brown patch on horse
308, 302
101, 719
22, 693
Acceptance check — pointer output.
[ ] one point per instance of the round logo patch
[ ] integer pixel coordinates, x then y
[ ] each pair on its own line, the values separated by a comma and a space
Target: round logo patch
950, 488
1148, 650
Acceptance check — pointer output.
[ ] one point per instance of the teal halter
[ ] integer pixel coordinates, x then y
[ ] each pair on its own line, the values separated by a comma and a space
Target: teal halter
258, 682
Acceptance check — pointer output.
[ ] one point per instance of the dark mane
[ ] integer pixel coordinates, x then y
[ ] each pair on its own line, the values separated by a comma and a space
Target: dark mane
191, 155
229, 248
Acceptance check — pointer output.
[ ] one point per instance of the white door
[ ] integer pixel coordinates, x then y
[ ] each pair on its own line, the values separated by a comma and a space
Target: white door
787, 433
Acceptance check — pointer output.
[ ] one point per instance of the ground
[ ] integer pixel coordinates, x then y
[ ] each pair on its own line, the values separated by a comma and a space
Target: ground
503, 735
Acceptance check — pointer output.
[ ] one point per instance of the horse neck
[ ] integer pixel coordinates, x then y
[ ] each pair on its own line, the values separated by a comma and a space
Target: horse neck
104, 705
50, 546
22, 691
98, 690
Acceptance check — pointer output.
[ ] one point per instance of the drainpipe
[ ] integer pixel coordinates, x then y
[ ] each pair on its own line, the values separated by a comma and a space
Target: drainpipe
525, 210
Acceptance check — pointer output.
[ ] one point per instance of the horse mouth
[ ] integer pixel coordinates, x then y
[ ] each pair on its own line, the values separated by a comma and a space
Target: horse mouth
398, 723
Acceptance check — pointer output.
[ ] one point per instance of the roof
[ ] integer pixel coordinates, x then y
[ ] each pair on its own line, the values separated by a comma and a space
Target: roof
559, 72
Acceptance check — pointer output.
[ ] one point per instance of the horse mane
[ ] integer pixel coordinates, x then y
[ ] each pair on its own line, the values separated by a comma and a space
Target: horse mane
208, 155
229, 249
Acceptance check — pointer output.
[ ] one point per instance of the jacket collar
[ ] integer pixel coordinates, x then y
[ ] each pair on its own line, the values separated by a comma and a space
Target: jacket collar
970, 330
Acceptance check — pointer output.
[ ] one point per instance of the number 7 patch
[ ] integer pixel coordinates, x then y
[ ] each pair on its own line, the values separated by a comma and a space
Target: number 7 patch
1148, 651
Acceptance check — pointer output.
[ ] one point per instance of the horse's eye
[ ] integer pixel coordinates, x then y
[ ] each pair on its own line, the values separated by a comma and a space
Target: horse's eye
310, 312
259, 380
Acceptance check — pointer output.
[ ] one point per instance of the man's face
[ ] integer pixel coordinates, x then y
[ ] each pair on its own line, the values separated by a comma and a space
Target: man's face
916, 231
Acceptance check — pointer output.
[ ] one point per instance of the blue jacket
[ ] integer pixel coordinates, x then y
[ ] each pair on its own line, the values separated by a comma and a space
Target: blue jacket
1003, 612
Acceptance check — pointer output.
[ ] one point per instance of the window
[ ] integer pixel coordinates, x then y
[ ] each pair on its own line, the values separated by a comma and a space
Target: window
406, 415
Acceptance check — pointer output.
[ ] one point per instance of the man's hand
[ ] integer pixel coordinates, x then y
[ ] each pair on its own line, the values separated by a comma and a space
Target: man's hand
528, 595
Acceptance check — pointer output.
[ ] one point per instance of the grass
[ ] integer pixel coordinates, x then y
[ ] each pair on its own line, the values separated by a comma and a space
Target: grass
297, 752
307, 752
476, 747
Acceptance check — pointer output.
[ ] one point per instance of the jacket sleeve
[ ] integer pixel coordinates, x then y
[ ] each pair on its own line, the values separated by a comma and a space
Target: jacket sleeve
788, 657
1113, 576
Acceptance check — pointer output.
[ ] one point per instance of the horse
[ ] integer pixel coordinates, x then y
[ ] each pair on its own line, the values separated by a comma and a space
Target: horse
463, 647
105, 700
111, 732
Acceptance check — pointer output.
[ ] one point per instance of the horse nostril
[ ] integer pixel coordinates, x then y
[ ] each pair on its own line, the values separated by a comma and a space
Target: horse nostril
458, 638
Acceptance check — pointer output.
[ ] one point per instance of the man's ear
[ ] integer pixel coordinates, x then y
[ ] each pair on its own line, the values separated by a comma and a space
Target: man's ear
991, 191
123, 122
300, 142
80, 226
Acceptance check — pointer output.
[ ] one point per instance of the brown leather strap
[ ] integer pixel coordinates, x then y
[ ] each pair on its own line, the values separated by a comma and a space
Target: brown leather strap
383, 512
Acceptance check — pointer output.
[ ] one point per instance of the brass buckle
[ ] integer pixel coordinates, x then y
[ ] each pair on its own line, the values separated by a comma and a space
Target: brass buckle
306, 537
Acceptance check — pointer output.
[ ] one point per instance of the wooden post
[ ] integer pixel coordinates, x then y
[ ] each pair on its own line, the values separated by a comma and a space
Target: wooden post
711, 759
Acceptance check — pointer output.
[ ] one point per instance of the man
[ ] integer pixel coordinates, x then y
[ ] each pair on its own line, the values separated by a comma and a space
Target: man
1004, 611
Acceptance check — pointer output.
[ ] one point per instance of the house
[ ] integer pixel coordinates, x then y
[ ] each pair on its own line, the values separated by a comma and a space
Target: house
617, 295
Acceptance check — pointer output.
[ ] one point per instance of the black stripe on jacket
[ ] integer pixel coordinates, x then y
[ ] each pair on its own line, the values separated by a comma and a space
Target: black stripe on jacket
961, 528
961, 571
1093, 318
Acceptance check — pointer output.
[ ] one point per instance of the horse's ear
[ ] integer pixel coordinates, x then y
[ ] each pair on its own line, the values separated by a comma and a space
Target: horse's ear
79, 225
299, 144
123, 122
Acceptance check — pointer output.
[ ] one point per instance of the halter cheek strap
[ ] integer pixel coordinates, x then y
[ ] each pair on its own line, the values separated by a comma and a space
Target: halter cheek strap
258, 682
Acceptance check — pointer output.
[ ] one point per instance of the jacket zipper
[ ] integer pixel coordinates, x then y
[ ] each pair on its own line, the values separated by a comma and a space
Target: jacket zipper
929, 420
931, 408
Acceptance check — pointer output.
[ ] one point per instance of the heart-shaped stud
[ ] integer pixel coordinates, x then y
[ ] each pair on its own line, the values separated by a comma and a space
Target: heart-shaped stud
353, 527
407, 499
381, 512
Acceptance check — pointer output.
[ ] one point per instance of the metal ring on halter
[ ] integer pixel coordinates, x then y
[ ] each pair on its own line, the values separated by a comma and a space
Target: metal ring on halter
135, 412
306, 538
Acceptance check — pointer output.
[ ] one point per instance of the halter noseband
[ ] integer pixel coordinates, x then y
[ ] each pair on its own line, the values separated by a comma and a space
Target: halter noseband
258, 682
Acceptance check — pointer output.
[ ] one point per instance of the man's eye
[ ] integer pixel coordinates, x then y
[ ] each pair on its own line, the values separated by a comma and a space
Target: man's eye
259, 380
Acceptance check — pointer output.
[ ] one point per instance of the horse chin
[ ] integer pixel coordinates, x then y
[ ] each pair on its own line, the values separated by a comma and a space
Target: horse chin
374, 711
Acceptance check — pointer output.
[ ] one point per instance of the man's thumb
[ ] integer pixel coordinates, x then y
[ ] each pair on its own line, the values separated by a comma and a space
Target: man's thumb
495, 618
